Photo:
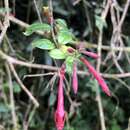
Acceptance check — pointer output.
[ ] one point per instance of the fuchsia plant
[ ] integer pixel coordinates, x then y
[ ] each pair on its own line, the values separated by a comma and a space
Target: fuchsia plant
91, 70
61, 50
60, 112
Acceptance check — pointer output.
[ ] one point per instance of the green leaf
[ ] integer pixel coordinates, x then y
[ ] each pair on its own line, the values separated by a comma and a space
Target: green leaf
57, 54
36, 27
69, 64
93, 84
68, 128
4, 108
43, 44
64, 37
4, 10
115, 125
6, 87
52, 99
16, 88
61, 23
127, 38
100, 22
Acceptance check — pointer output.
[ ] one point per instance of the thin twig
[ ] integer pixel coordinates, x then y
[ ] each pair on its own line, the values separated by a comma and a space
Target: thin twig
128, 125
25, 122
14, 117
52, 21
52, 68
76, 2
124, 13
2, 127
38, 75
38, 13
124, 75
99, 100
87, 44
27, 64
6, 21
22, 85
116, 40
3, 94
20, 23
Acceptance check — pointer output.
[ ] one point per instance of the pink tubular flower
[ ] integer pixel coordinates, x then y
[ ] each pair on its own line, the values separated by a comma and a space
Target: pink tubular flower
60, 112
97, 76
75, 79
91, 54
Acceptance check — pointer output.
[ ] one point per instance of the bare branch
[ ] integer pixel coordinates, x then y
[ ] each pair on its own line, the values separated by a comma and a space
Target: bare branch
38, 13
99, 49
6, 21
124, 13
87, 44
52, 68
38, 75
14, 117
22, 85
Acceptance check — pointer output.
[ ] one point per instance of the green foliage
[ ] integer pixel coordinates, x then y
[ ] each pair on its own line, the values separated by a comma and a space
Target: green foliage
44, 44
69, 64
3, 10
100, 22
69, 128
36, 27
52, 99
115, 125
61, 23
4, 108
57, 54
64, 37
16, 87
93, 83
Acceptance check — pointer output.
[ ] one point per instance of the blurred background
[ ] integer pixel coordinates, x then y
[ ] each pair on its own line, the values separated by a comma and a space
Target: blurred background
92, 22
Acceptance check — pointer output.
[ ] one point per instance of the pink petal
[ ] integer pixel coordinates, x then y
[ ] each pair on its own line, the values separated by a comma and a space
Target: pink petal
59, 120
91, 54
75, 79
97, 76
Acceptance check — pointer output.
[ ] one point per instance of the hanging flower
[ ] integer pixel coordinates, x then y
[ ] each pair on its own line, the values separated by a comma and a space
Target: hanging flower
60, 112
97, 76
75, 79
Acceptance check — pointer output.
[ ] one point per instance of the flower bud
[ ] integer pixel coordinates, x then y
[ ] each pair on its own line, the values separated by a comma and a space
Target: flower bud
60, 112
97, 76
75, 79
